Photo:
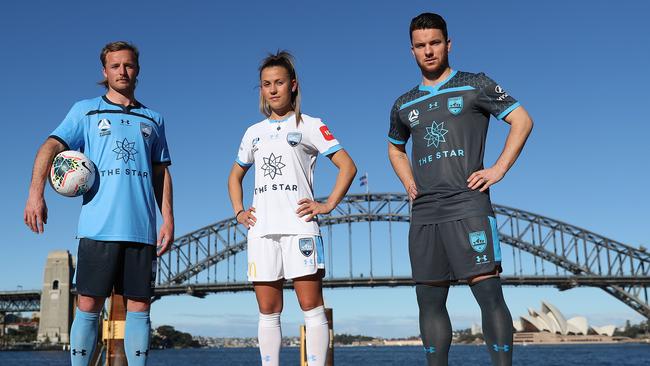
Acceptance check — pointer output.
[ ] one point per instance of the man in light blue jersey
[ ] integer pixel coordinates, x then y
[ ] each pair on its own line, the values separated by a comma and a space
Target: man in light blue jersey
117, 225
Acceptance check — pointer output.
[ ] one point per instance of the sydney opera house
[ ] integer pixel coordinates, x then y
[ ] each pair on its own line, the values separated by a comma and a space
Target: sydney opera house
550, 319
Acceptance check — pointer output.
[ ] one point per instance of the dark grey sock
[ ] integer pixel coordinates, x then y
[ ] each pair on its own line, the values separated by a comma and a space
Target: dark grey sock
435, 326
497, 322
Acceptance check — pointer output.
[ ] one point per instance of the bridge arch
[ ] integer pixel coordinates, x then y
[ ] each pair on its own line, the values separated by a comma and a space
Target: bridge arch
574, 256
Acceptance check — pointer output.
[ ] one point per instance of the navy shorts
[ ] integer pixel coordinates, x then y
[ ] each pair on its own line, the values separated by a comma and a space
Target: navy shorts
128, 267
454, 250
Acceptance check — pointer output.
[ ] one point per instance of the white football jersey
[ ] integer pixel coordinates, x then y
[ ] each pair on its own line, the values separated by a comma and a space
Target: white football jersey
285, 157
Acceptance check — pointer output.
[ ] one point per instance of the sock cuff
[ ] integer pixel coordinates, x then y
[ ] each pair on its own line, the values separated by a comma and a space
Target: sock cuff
269, 320
315, 317
86, 315
144, 315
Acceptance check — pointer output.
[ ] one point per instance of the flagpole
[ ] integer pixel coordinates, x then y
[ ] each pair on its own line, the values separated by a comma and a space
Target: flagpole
369, 221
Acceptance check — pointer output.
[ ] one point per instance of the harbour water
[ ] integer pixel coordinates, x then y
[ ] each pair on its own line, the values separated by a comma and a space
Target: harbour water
532, 355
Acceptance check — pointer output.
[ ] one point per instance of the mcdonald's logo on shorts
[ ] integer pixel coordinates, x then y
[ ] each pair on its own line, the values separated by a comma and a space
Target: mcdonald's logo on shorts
252, 269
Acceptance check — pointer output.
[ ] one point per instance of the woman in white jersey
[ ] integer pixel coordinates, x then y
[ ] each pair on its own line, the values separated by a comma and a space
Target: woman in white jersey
284, 240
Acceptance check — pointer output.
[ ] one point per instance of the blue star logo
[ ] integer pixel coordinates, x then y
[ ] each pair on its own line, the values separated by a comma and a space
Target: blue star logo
125, 150
436, 134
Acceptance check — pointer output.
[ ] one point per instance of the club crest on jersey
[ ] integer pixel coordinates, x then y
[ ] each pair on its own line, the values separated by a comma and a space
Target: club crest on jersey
306, 246
104, 126
478, 241
294, 138
455, 105
146, 130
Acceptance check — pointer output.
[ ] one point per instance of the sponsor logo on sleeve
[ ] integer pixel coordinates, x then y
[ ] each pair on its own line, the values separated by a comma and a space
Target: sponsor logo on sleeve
326, 133
294, 138
502, 93
455, 105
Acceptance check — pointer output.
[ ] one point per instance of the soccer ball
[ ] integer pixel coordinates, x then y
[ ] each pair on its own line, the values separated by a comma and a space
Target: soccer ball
72, 173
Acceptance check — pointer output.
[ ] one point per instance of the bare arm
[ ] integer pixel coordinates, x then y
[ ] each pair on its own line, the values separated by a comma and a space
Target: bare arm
347, 171
163, 190
520, 126
35, 215
402, 167
244, 217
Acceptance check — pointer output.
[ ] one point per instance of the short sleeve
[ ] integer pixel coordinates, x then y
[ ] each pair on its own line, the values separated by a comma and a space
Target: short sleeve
160, 151
398, 133
71, 130
245, 155
322, 138
494, 100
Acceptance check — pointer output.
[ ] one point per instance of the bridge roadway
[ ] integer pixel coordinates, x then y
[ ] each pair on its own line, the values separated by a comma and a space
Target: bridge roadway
561, 282
19, 301
29, 300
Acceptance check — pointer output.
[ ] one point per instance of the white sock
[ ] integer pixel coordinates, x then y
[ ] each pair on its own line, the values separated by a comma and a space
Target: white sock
318, 336
269, 337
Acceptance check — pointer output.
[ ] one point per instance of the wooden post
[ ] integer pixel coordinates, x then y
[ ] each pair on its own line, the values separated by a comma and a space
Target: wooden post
2, 334
329, 361
113, 331
329, 313
303, 346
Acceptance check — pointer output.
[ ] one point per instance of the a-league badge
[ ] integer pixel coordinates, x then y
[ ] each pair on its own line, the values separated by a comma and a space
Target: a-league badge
306, 246
104, 126
294, 138
455, 105
478, 241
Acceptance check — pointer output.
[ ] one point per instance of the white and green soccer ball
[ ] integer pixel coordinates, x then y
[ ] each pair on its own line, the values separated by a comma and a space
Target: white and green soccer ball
72, 173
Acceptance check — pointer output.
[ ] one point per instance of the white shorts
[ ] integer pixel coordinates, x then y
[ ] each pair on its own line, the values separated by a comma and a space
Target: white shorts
273, 257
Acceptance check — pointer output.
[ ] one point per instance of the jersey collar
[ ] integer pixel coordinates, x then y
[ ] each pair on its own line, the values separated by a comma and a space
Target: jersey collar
434, 89
137, 104
280, 120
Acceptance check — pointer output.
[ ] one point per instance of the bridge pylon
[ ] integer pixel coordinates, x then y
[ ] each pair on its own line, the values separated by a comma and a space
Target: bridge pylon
56, 300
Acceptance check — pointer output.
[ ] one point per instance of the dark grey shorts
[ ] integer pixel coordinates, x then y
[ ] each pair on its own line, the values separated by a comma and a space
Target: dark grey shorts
454, 250
128, 267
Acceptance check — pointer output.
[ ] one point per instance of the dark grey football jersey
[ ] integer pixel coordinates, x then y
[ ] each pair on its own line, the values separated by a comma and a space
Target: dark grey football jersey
448, 124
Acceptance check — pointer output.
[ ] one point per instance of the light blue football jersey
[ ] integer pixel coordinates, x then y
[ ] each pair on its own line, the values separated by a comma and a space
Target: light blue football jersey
124, 143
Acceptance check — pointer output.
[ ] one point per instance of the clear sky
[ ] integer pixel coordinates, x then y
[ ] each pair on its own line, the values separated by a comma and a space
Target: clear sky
579, 67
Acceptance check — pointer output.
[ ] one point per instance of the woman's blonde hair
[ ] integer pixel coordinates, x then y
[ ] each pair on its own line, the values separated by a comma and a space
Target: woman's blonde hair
282, 59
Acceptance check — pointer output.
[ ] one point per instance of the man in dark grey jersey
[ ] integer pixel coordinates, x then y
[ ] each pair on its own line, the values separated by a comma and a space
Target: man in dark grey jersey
453, 234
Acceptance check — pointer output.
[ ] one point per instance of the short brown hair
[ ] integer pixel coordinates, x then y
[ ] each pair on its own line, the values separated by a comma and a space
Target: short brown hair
117, 46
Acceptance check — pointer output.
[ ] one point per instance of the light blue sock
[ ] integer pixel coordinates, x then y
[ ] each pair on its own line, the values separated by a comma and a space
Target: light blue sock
83, 337
136, 337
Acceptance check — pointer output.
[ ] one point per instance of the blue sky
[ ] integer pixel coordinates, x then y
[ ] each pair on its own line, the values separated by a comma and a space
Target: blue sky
578, 67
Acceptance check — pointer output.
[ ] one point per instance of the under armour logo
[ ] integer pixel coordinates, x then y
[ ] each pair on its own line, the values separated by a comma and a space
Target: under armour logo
504, 348
75, 352
481, 259
266, 358
126, 122
311, 358
430, 349
140, 353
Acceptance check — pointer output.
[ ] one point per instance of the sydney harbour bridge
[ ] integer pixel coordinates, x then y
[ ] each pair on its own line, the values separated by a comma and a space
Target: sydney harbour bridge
365, 241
